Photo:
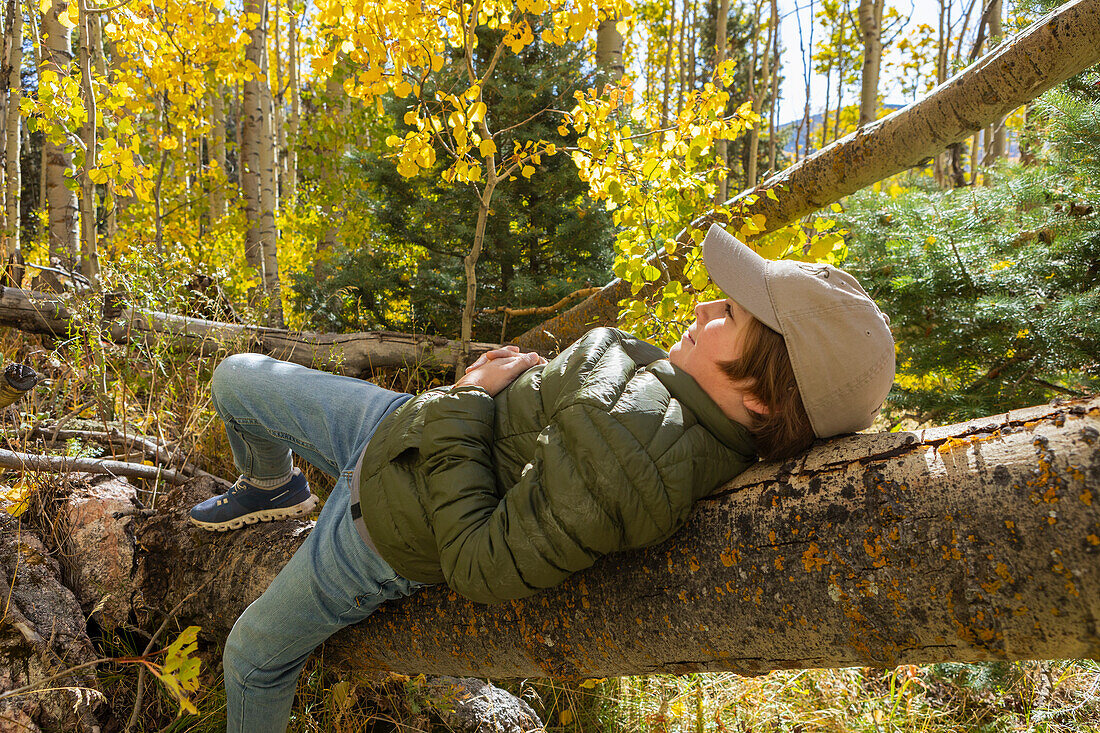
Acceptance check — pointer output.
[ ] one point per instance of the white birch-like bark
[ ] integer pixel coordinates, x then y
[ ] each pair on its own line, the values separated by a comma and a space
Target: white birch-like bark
870, 25
12, 133
1000, 143
291, 186
89, 249
609, 51
667, 78
720, 43
217, 152
61, 200
775, 86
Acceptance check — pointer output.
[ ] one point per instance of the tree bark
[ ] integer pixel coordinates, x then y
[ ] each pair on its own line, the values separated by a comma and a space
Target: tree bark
970, 542
996, 35
775, 86
720, 44
353, 354
62, 202
13, 64
667, 78
609, 51
1055, 47
870, 24
291, 189
258, 163
217, 153
89, 249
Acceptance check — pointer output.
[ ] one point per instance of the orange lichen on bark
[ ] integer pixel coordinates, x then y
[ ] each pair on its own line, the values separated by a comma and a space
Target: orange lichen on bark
729, 557
811, 560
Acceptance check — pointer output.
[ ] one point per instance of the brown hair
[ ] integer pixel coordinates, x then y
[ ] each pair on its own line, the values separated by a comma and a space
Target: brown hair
766, 366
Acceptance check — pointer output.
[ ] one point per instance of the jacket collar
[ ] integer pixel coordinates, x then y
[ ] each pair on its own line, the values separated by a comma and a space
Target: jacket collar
683, 387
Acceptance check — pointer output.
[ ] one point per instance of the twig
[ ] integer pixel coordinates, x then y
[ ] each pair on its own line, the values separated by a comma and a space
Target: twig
63, 464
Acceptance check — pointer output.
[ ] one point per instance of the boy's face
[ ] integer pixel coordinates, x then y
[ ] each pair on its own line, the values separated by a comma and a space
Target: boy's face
717, 335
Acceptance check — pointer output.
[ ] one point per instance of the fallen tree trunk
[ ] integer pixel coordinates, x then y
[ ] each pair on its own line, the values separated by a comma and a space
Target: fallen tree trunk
969, 542
352, 354
1062, 43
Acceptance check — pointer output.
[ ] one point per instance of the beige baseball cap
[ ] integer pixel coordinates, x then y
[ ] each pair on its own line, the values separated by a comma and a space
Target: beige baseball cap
838, 340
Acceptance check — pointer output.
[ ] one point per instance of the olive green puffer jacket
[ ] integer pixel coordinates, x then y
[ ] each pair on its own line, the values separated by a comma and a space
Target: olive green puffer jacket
604, 448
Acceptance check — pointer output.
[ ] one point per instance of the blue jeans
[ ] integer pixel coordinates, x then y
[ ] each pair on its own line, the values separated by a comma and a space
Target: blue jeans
271, 408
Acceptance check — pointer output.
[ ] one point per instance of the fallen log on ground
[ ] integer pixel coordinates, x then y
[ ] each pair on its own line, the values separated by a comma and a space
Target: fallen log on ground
47, 680
1062, 43
353, 354
975, 541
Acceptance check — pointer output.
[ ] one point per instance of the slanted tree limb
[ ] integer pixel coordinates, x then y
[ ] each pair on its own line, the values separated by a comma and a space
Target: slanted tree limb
1062, 43
969, 542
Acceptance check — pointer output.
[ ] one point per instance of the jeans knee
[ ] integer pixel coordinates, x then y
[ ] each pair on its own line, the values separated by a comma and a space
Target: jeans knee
234, 373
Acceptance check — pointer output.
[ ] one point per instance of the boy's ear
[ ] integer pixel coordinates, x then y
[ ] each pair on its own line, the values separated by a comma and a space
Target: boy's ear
752, 403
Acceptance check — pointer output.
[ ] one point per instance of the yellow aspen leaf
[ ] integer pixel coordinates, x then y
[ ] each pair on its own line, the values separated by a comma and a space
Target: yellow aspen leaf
98, 175
487, 148
180, 673
565, 717
476, 113
528, 171
70, 18
551, 149
44, 6
402, 89
1003, 264
930, 240
411, 117
168, 143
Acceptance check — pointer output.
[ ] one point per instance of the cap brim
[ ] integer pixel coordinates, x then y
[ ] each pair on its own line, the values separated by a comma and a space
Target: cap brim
740, 273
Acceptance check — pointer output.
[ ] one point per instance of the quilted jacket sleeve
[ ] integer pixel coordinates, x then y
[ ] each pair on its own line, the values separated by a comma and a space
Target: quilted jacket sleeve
560, 517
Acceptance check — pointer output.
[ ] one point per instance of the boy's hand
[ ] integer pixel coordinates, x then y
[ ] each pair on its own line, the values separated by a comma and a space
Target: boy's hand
498, 371
488, 356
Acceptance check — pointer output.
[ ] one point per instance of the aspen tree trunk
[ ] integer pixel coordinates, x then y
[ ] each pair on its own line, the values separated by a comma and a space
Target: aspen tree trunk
667, 78
999, 146
333, 91
828, 101
681, 75
57, 56
295, 113
968, 542
1057, 46
870, 25
840, 65
99, 62
693, 44
217, 152
9, 270
775, 86
720, 45
942, 45
609, 52
278, 119
250, 124
269, 203
89, 251
756, 96
258, 165
34, 23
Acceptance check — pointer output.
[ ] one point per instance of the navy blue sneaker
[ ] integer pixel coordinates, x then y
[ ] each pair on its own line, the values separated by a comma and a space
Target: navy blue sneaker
248, 504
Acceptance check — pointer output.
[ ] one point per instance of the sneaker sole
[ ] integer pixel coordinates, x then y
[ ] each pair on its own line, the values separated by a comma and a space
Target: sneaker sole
264, 515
